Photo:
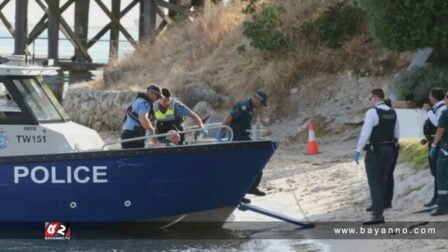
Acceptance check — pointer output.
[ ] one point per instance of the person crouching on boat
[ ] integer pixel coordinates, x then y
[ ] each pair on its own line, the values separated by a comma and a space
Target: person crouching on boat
240, 120
136, 121
170, 113
173, 138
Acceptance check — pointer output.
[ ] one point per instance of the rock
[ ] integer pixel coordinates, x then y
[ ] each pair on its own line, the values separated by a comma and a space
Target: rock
203, 109
97, 126
293, 91
98, 109
186, 79
290, 181
201, 91
111, 75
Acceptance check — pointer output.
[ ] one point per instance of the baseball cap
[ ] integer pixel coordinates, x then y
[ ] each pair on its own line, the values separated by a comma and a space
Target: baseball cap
263, 97
155, 89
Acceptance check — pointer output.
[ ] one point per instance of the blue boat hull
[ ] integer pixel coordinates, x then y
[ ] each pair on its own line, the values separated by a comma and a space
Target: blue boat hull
129, 185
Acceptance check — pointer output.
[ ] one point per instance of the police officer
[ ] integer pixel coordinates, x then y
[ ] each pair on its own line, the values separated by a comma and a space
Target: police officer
136, 121
390, 182
170, 114
434, 112
441, 138
378, 135
240, 120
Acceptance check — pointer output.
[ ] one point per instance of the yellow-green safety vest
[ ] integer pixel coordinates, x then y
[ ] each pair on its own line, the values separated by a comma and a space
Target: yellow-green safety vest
168, 115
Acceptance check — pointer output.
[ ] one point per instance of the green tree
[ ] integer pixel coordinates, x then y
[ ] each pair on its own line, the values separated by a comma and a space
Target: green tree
415, 84
401, 25
264, 31
335, 26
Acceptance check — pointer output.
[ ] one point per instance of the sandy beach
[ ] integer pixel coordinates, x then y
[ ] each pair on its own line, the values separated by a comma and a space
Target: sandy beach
331, 187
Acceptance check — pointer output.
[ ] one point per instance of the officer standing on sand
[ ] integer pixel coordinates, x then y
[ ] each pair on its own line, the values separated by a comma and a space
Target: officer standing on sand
390, 182
442, 162
136, 121
240, 120
378, 135
429, 130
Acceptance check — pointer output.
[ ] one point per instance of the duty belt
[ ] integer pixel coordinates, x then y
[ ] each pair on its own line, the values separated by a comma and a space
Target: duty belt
372, 146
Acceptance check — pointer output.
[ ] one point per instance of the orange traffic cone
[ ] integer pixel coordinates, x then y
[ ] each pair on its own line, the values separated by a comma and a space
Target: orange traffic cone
313, 146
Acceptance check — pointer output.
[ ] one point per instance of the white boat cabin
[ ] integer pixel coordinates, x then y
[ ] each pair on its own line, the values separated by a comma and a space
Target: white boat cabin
31, 119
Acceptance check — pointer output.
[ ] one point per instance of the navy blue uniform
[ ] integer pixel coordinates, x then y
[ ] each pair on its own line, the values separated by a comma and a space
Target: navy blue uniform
380, 157
242, 114
442, 165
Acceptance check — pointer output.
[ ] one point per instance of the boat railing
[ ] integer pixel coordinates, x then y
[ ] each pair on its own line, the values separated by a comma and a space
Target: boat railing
194, 131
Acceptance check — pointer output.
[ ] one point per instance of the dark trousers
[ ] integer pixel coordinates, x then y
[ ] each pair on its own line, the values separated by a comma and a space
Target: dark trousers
389, 193
127, 134
244, 137
378, 164
433, 168
442, 178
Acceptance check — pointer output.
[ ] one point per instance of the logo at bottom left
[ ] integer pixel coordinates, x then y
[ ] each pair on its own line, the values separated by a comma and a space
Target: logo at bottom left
57, 231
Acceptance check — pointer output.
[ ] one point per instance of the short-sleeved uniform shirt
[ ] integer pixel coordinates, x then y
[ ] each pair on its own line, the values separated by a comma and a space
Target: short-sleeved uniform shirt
181, 110
443, 123
141, 107
242, 114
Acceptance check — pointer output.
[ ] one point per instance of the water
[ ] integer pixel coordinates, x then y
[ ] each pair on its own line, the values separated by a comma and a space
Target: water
234, 241
155, 245
99, 52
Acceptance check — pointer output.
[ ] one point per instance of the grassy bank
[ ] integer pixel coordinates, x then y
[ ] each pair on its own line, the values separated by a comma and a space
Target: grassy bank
413, 153
207, 49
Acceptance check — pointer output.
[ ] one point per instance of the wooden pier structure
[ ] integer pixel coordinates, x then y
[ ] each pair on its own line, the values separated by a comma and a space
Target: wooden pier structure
154, 16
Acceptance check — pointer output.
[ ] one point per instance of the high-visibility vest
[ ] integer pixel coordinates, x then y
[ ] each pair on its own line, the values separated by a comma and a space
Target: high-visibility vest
167, 116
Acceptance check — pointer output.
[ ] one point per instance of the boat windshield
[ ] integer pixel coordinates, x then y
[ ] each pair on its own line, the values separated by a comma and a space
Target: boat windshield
7, 104
37, 100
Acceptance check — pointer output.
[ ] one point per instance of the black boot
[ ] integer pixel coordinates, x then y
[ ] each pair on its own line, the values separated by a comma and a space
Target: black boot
439, 211
246, 200
431, 203
256, 191
375, 220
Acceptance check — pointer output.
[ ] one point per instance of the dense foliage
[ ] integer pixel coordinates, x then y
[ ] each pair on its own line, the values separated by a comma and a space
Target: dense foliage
402, 25
335, 26
416, 83
264, 31
250, 7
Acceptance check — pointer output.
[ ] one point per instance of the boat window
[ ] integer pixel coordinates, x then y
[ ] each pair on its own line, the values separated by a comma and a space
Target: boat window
37, 100
7, 104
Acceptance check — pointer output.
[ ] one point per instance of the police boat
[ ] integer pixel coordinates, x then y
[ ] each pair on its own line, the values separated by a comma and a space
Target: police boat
53, 169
